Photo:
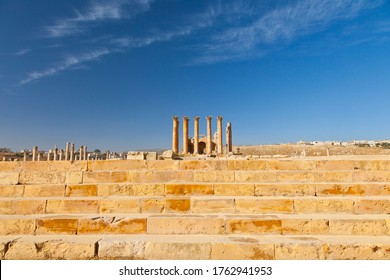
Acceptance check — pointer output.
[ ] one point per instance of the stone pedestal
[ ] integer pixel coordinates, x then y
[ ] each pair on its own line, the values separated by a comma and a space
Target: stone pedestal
196, 135
219, 136
175, 135
185, 135
209, 136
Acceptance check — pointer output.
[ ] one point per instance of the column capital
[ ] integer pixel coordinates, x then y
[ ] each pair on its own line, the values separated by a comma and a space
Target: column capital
196, 118
209, 117
220, 117
175, 118
186, 118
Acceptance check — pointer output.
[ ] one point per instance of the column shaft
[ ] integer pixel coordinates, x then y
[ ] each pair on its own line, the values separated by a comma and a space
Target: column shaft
196, 135
175, 135
185, 135
209, 135
72, 152
229, 144
219, 136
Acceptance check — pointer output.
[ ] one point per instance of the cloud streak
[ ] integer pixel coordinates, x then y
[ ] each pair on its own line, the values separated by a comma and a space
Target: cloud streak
70, 61
280, 26
96, 12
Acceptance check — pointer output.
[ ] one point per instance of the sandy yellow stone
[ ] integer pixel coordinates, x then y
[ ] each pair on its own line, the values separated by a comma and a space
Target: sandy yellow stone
189, 189
81, 206
52, 166
253, 226
358, 227
254, 176
116, 165
129, 189
105, 177
333, 176
28, 207
292, 165
9, 178
336, 165
372, 206
162, 164
264, 206
340, 189
112, 225
294, 176
12, 226
377, 189
305, 226
56, 226
373, 165
53, 177
203, 165
358, 252
166, 205
214, 176
11, 190
284, 189
177, 251
371, 176
212, 205
130, 205
300, 251
81, 190
234, 189
246, 165
242, 251
113, 249
74, 177
323, 205
44, 190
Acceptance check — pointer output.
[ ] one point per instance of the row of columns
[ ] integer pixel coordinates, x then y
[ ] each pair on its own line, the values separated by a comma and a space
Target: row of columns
59, 154
219, 143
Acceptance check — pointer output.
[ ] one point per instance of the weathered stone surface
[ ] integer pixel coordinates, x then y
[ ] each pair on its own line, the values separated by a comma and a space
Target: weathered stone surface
371, 176
11, 191
296, 165
373, 165
163, 165
358, 252
185, 225
189, 189
202, 205
243, 251
305, 226
112, 249
16, 226
9, 178
105, 177
246, 165
44, 190
372, 206
198, 165
128, 189
165, 205
177, 251
253, 176
136, 155
254, 226
377, 189
59, 225
151, 156
285, 189
152, 176
116, 165
81, 190
333, 176
339, 189
112, 225
358, 227
294, 176
72, 206
336, 165
323, 205
300, 251
264, 206
234, 189
214, 176
55, 177
28, 207
74, 177
130, 205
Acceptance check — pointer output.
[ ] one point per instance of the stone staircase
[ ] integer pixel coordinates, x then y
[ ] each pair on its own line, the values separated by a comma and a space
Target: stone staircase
207, 209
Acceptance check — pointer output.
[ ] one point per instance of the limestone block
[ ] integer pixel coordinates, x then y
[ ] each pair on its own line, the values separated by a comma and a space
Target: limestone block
372, 206
242, 251
371, 176
9, 166
300, 251
136, 155
202, 205
28, 207
130, 205
152, 176
259, 206
292, 165
189, 189
185, 225
336, 165
44, 190
177, 251
340, 189
112, 225
9, 178
54, 177
285, 189
128, 189
151, 156
358, 252
116, 165
169, 154
52, 166
20, 250
246, 165
333, 176
358, 227
377, 189
74, 177
14, 226
105, 177
162, 205
198, 165
11, 191
305, 226
294, 176
254, 176
323, 206
185, 176
234, 189
56, 226
72, 206
81, 190
253, 226
5, 207
373, 165
214, 176
113, 249
163, 165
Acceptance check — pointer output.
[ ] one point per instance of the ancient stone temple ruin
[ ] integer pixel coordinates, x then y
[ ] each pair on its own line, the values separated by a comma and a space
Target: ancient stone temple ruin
202, 144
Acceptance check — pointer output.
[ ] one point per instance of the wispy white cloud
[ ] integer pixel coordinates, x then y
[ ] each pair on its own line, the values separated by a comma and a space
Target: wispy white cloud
280, 25
68, 62
22, 52
97, 11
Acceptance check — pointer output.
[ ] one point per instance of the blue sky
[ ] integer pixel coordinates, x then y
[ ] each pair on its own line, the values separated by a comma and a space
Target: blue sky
111, 74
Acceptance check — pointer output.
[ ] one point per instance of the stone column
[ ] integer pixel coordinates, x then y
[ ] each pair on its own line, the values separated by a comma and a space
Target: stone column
34, 153
209, 135
108, 155
39, 156
24, 155
48, 155
185, 135
61, 154
196, 135
175, 135
229, 143
72, 152
81, 153
55, 153
67, 151
85, 153
219, 136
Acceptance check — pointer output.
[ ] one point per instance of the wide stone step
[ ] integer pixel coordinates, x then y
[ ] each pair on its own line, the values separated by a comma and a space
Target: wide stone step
195, 204
210, 247
163, 224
